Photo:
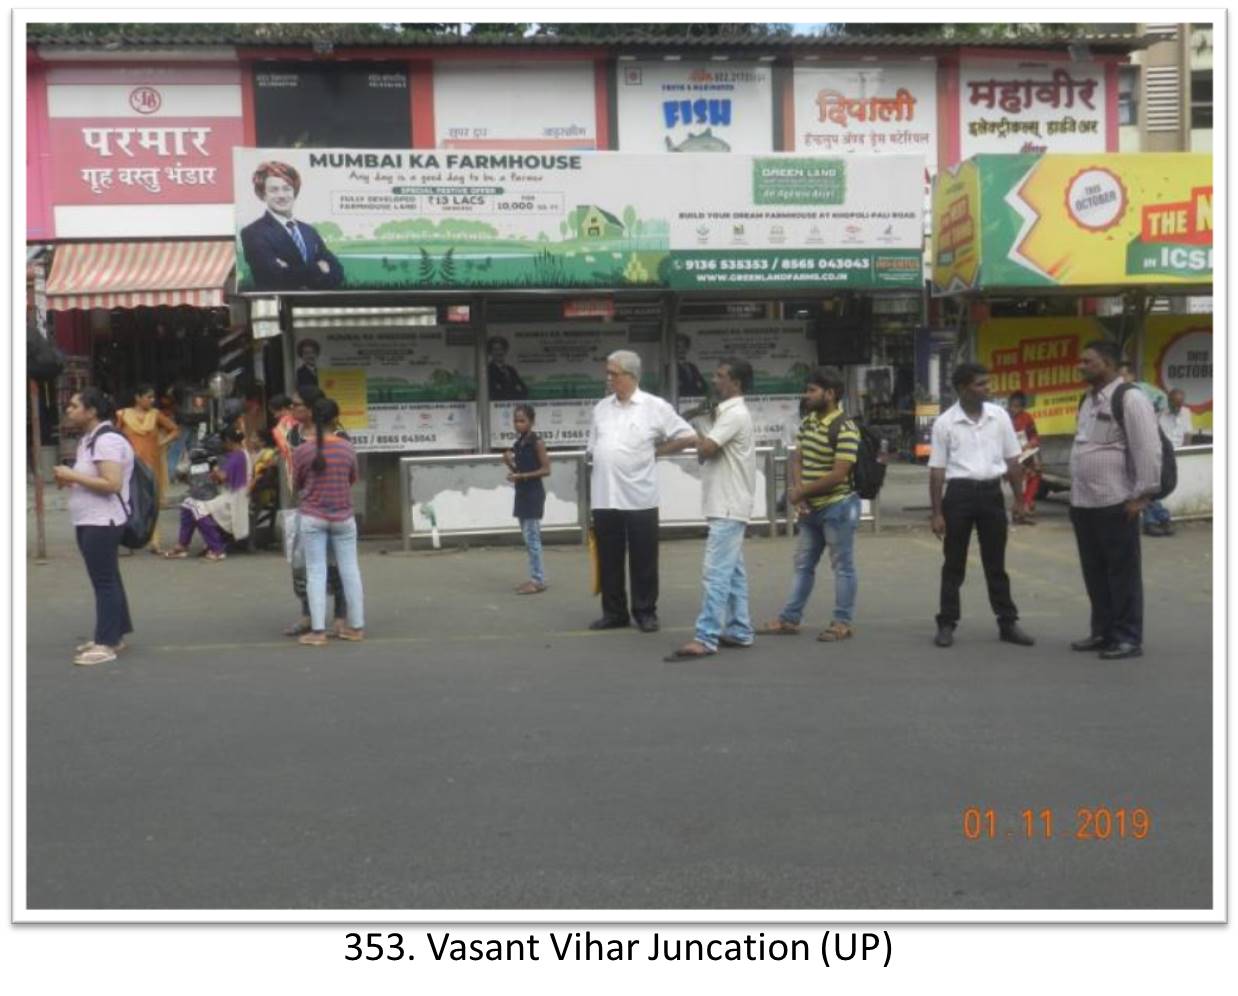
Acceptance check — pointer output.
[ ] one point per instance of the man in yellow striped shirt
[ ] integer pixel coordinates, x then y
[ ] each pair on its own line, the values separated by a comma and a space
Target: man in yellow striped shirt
820, 487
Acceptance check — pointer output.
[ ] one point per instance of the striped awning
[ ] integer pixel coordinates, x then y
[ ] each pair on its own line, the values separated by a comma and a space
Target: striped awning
139, 274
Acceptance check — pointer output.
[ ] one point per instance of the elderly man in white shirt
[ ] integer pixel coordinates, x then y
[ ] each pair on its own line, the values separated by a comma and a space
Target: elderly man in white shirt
629, 431
974, 447
728, 454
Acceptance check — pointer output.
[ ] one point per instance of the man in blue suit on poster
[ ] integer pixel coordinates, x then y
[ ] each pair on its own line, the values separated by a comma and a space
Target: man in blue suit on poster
283, 253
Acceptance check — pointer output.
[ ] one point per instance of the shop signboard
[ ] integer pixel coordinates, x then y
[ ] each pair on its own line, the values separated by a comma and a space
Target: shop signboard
402, 389
531, 106
1040, 357
143, 151
406, 220
560, 369
1073, 221
1031, 107
695, 107
1177, 353
867, 109
782, 355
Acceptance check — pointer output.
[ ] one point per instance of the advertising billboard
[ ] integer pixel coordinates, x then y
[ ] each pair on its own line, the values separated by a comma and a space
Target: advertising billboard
142, 151
380, 219
1073, 221
695, 107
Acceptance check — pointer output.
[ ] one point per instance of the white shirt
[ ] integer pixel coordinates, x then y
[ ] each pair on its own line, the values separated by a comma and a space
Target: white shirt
729, 478
622, 440
1176, 427
975, 451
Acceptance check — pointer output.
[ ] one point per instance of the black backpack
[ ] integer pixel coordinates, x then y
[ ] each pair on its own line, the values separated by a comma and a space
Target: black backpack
868, 473
143, 508
1169, 462
44, 360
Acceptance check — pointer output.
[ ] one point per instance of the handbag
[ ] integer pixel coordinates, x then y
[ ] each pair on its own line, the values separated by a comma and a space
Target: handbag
294, 548
595, 568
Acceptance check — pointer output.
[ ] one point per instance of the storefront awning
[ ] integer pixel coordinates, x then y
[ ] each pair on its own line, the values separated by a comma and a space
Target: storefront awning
139, 274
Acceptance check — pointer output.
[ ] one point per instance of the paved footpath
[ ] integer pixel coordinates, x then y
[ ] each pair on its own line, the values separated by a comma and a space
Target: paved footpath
483, 750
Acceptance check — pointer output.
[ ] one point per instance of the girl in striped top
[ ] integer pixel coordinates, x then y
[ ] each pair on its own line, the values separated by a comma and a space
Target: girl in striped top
323, 474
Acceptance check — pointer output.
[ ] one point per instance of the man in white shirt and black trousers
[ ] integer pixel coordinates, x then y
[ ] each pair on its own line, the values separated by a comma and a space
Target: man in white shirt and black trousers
974, 447
629, 431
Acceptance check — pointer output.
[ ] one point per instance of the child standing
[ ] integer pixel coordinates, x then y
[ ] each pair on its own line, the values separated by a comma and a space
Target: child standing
529, 462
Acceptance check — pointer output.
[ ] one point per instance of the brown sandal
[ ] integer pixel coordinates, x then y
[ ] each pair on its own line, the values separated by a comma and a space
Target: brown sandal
778, 627
835, 632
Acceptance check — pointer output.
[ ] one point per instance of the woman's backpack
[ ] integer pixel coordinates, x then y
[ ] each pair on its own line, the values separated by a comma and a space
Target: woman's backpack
143, 509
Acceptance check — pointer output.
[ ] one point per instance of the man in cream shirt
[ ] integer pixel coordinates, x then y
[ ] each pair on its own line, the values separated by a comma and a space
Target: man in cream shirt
629, 431
728, 455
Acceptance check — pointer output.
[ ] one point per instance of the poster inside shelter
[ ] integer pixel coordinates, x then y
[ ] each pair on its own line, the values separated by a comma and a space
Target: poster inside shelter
782, 354
695, 106
560, 368
398, 219
420, 385
518, 106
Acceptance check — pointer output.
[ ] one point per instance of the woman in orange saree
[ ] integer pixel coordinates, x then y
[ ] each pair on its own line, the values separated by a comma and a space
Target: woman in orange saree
149, 432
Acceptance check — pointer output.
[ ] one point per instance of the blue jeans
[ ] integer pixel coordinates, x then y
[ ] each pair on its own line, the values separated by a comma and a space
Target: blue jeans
532, 530
724, 585
1155, 514
833, 526
315, 534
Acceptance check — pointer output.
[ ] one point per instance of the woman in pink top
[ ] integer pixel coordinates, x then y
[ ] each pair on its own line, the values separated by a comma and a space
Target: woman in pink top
98, 496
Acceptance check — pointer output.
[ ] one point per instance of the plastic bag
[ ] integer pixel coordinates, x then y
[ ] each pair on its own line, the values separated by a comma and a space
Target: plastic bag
294, 549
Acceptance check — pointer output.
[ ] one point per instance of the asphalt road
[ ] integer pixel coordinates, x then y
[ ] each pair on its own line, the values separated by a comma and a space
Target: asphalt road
483, 750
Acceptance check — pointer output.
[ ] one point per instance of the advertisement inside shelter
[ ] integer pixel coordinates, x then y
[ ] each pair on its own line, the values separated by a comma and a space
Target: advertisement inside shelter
782, 355
1031, 107
529, 106
400, 388
695, 106
1177, 353
560, 368
868, 109
329, 220
1040, 357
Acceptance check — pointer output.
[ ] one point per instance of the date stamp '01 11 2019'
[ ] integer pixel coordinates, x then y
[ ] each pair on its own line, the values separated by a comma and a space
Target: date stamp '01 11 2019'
1090, 823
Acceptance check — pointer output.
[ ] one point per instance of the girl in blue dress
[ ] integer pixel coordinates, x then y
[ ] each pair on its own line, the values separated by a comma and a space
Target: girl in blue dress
528, 462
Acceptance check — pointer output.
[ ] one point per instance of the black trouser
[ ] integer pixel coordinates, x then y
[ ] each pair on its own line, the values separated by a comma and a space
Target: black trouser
100, 546
1110, 556
634, 534
335, 588
978, 504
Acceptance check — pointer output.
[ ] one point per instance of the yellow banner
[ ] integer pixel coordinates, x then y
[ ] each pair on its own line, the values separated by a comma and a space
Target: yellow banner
1087, 220
1177, 353
1040, 357
956, 228
347, 388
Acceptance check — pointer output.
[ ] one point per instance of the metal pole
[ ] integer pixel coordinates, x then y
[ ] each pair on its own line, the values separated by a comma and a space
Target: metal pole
36, 446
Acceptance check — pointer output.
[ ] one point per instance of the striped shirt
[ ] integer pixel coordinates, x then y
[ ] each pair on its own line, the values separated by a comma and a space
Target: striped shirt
817, 455
326, 495
1109, 466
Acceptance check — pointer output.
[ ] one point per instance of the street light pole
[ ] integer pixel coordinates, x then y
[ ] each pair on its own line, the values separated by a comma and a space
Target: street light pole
36, 445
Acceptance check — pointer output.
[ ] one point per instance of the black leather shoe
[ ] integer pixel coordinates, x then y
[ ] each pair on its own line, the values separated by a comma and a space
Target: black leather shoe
606, 622
945, 636
1120, 651
648, 625
1092, 643
1013, 633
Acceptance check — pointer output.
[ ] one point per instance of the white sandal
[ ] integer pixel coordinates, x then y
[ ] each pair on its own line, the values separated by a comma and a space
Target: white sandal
95, 655
81, 648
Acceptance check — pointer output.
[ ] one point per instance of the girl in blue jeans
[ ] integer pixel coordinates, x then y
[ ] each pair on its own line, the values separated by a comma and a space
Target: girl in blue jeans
528, 463
324, 472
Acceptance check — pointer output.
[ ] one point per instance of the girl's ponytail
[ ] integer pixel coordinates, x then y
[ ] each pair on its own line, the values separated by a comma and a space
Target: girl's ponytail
325, 413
